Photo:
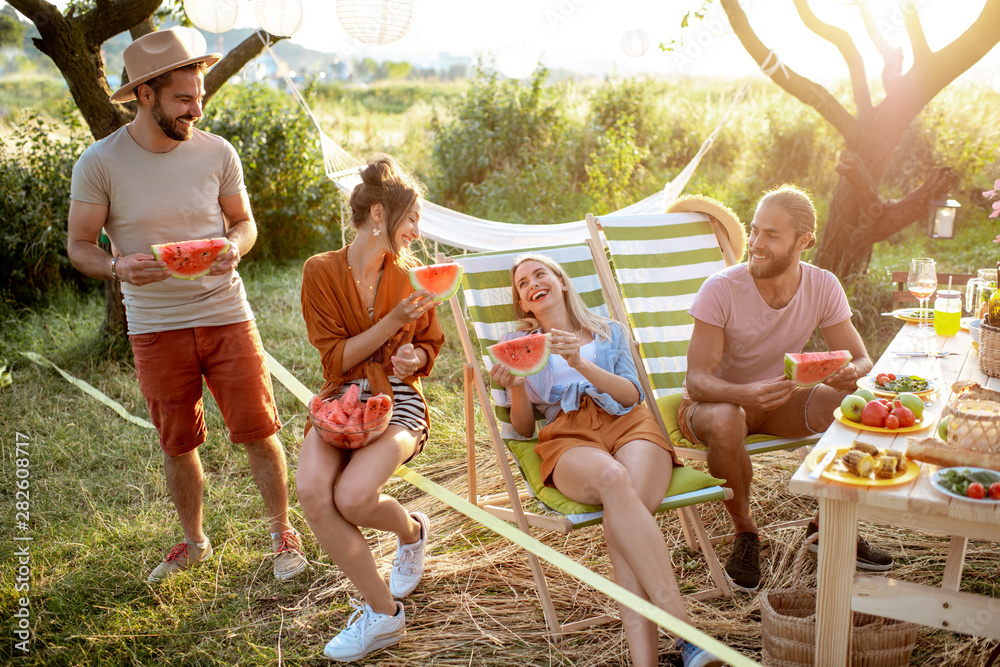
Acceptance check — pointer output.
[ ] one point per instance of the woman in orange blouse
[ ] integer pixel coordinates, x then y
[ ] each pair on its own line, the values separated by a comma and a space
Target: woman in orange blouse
372, 329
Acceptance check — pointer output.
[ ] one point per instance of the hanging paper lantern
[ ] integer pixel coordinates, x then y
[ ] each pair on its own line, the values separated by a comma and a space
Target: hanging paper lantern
375, 22
635, 43
212, 15
283, 18
517, 61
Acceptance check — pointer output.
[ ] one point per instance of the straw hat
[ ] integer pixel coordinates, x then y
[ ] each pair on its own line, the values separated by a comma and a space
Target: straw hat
159, 52
725, 215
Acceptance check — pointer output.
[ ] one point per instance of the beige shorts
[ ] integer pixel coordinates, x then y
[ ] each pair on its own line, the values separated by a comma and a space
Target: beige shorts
788, 421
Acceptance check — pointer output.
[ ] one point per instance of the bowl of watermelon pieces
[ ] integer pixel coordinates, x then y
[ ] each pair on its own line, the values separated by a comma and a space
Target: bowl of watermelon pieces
347, 418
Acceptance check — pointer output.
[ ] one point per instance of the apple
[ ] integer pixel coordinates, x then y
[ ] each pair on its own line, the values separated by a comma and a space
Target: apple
852, 406
865, 394
943, 427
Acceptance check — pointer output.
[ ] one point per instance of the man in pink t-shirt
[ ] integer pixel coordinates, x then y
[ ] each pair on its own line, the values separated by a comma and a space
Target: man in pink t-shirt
746, 317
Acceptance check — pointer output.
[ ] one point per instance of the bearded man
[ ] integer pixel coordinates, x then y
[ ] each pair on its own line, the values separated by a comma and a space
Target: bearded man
746, 317
160, 180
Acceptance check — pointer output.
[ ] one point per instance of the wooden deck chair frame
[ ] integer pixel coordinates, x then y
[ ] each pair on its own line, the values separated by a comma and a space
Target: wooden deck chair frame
616, 304
508, 505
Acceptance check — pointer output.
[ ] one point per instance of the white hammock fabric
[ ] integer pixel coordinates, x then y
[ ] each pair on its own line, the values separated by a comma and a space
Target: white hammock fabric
467, 232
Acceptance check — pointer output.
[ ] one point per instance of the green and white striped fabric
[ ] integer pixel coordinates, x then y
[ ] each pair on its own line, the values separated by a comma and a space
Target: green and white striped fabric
486, 288
660, 261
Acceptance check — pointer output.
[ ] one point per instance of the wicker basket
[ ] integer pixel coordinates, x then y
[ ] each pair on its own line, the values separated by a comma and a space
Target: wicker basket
788, 617
989, 350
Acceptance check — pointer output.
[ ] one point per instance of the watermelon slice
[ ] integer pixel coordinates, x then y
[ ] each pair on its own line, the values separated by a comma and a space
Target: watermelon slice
523, 356
190, 259
811, 368
349, 401
441, 280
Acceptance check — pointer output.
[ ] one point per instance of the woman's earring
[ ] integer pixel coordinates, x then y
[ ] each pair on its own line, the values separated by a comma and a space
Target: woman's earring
376, 230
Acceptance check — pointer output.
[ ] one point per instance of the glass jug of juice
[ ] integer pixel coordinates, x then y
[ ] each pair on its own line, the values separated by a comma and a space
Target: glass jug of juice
947, 312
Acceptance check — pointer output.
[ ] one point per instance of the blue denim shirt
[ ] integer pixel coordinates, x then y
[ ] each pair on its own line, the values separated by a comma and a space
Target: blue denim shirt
612, 355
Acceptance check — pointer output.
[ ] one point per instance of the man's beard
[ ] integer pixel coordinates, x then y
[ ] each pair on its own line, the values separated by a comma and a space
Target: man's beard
774, 267
170, 126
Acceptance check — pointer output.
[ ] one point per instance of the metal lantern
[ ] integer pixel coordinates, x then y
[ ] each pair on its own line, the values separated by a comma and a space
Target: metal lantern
517, 61
375, 22
635, 43
941, 219
283, 18
212, 15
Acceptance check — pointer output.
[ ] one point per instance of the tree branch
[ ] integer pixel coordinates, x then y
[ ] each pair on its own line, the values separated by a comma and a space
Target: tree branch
887, 218
915, 31
110, 17
852, 57
233, 62
805, 90
892, 70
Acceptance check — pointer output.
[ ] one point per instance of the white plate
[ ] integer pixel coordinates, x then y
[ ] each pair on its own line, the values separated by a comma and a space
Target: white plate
987, 500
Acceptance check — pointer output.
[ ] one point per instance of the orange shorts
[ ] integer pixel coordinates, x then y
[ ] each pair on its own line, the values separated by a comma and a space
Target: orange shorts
787, 421
590, 426
170, 366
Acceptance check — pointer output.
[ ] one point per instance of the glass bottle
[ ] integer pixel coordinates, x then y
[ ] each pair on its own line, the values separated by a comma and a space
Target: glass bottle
947, 312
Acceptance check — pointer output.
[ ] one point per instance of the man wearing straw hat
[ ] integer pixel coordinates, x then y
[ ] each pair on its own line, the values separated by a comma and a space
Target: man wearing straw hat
159, 180
746, 317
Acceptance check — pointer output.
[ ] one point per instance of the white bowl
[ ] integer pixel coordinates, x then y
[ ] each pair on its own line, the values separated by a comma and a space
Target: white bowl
974, 329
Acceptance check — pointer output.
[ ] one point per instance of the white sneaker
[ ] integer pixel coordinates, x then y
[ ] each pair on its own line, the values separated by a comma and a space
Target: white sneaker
366, 631
408, 565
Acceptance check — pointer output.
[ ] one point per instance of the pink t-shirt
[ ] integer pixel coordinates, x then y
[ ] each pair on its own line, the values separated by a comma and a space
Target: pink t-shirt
758, 336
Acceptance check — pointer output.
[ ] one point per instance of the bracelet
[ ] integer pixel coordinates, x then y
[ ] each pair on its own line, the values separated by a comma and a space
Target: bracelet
114, 274
384, 329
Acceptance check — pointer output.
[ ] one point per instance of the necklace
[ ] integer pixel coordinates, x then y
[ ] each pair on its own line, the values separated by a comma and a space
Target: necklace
361, 284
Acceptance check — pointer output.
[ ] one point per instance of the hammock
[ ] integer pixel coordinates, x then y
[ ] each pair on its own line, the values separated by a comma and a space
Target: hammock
443, 225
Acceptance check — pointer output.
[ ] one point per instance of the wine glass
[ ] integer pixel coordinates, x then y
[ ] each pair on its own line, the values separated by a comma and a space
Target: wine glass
922, 281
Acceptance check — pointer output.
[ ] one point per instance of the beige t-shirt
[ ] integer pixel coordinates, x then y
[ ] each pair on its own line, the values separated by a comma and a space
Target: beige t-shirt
757, 336
162, 198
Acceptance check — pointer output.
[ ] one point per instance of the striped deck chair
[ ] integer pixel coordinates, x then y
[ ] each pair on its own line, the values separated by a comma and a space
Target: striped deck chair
487, 293
657, 264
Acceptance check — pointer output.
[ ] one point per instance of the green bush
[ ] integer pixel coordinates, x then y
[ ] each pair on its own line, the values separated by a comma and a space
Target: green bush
35, 172
297, 208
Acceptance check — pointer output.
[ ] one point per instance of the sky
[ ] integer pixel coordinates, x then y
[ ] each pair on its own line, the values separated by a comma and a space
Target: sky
586, 35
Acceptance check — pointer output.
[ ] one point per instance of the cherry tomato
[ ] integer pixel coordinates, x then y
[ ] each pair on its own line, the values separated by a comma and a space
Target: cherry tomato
882, 378
892, 376
995, 490
976, 491
892, 422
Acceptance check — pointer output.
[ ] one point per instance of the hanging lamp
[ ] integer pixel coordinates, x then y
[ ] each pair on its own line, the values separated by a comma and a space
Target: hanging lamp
635, 43
282, 18
375, 22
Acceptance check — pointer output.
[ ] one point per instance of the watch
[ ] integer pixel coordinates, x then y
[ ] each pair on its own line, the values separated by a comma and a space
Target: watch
114, 274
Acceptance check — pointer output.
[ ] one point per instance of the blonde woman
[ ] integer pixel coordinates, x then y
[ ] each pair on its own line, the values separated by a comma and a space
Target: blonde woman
601, 445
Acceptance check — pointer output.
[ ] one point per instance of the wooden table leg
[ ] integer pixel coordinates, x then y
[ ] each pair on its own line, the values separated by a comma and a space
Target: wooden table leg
838, 534
956, 561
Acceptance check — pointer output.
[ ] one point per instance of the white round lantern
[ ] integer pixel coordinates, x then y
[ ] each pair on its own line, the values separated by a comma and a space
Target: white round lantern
375, 22
212, 15
283, 18
517, 61
635, 43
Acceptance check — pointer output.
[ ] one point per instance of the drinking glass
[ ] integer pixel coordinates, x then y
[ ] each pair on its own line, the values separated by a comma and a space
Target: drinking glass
922, 281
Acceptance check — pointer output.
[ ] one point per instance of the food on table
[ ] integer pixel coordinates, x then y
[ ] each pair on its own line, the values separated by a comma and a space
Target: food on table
441, 280
932, 450
900, 383
858, 463
874, 414
865, 394
885, 467
904, 416
943, 427
967, 389
896, 456
913, 402
995, 491
852, 406
188, 260
864, 447
811, 368
524, 356
969, 483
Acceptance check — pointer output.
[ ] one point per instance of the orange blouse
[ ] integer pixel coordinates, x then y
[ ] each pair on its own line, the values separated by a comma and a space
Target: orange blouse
334, 312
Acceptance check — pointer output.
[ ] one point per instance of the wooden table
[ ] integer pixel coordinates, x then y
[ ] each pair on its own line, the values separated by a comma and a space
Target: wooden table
915, 505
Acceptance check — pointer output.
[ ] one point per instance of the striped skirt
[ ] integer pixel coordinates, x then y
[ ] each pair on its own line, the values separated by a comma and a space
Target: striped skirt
408, 409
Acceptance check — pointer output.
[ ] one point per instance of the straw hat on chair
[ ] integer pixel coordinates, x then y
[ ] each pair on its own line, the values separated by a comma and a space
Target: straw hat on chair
160, 52
721, 213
